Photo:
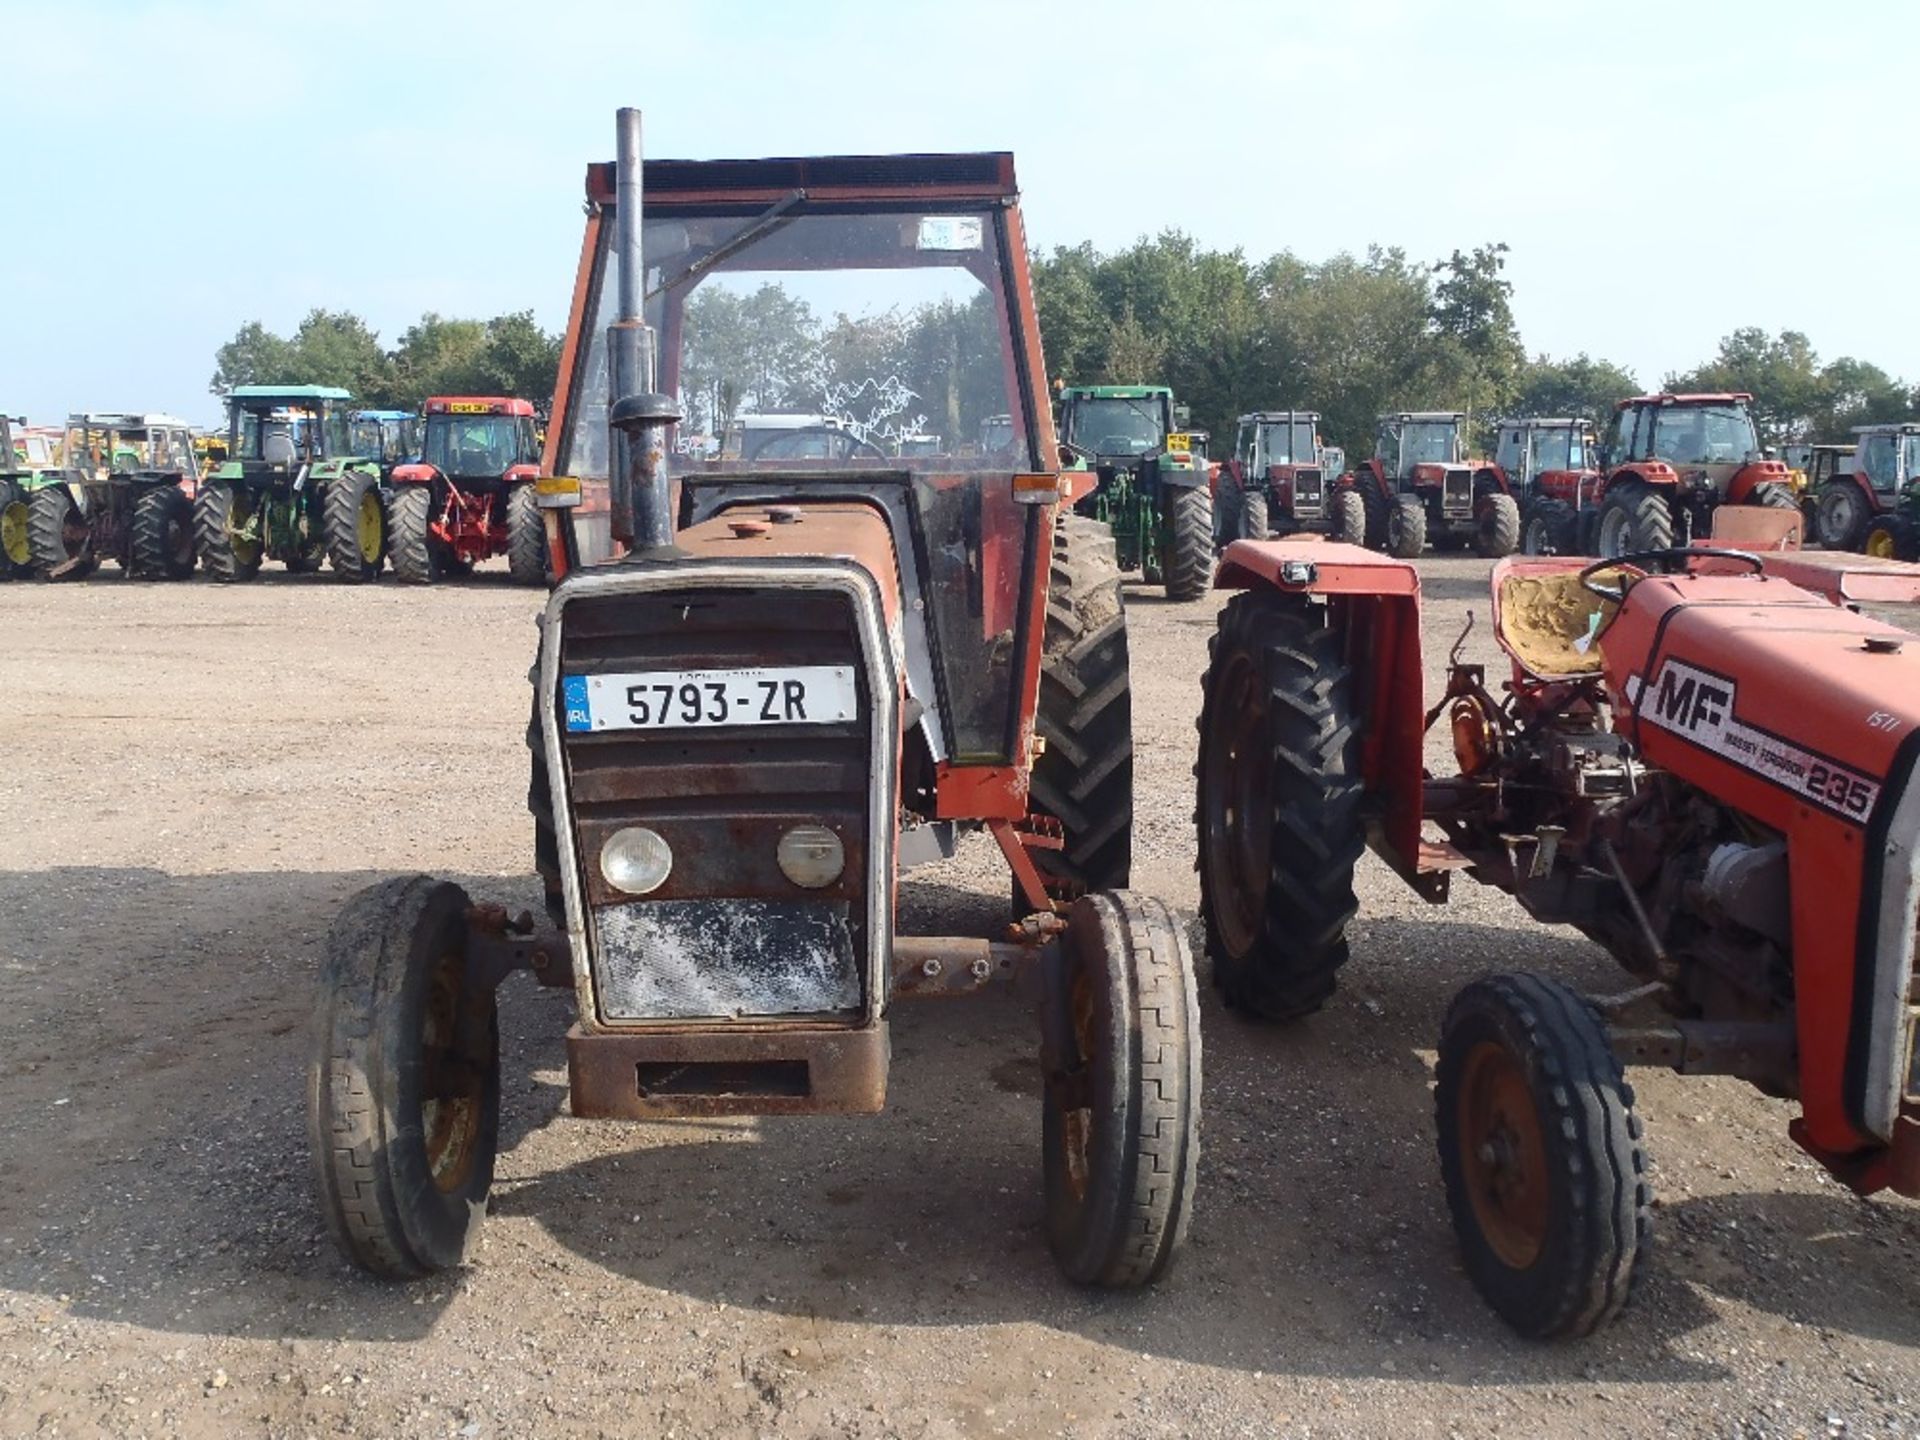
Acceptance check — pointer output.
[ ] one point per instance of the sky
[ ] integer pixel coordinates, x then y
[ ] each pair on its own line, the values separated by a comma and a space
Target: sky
1663, 174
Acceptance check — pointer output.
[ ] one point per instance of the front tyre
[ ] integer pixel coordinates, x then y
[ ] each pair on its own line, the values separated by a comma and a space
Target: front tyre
356, 526
1120, 1125
1634, 516
1350, 517
1841, 516
410, 543
1550, 529
16, 532
58, 536
1279, 806
1406, 527
403, 1087
226, 532
1892, 537
1188, 566
163, 534
1496, 525
526, 536
1540, 1151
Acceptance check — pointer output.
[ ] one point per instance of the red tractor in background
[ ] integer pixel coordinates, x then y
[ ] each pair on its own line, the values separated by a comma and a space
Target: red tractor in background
1669, 462
1700, 758
470, 495
1276, 480
1420, 485
1864, 504
1549, 464
806, 675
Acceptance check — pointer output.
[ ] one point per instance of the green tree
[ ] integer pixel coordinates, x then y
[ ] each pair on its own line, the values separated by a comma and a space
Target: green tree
1781, 372
1582, 387
255, 356
1480, 346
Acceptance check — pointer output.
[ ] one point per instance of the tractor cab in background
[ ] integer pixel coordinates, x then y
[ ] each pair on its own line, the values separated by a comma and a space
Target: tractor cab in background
1150, 487
467, 495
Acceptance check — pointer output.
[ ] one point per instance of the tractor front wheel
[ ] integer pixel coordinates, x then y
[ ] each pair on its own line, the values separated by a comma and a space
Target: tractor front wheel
1634, 516
59, 536
1540, 1150
1278, 807
410, 543
163, 534
526, 536
1083, 777
1496, 524
1254, 521
1549, 529
1188, 563
16, 532
356, 526
1841, 516
403, 1087
1350, 516
1892, 537
223, 532
1407, 527
1120, 1124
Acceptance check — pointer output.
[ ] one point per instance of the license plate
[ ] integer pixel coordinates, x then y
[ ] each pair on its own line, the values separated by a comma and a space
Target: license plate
682, 699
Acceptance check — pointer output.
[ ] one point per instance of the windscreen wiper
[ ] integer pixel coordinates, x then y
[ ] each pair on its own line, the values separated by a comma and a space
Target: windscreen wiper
764, 224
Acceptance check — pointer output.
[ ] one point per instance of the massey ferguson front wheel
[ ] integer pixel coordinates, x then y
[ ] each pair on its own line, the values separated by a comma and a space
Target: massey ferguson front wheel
1549, 529
1083, 778
403, 1087
1496, 525
1279, 806
1120, 1123
1406, 527
356, 526
1350, 516
1634, 516
1254, 523
1188, 566
1841, 516
1540, 1151
526, 537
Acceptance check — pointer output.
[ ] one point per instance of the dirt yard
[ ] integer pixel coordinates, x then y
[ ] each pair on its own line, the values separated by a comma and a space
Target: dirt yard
198, 777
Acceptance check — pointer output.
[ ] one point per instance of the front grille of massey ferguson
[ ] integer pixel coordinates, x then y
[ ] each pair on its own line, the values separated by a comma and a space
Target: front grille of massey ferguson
727, 935
1306, 492
1456, 492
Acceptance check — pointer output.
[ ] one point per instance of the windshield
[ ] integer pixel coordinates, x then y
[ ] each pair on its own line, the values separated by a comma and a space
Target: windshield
477, 445
122, 450
1558, 450
1704, 435
1428, 442
383, 439
285, 434
1910, 464
996, 435
1289, 444
1115, 425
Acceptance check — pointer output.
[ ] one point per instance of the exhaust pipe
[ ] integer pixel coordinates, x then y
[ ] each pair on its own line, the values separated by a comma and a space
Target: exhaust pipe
638, 485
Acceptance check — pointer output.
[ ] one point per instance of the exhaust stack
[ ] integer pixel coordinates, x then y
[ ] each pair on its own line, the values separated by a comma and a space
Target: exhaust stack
638, 415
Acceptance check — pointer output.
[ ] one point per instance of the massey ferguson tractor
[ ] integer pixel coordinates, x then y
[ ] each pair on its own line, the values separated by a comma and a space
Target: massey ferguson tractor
1669, 462
470, 495
125, 492
294, 488
1275, 482
1548, 464
799, 679
1870, 506
1420, 485
1699, 759
1151, 481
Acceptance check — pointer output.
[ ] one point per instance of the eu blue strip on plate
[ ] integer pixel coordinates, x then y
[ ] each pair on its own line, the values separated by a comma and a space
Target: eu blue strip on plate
579, 715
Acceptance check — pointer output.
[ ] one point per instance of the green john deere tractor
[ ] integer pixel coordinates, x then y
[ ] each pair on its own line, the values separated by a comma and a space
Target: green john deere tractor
27, 461
1152, 486
294, 488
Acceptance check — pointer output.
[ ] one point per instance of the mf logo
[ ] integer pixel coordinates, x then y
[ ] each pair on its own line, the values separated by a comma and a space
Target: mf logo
1693, 702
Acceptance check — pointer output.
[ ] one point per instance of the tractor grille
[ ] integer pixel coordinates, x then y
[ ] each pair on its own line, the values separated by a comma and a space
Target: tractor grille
727, 933
1309, 494
1456, 492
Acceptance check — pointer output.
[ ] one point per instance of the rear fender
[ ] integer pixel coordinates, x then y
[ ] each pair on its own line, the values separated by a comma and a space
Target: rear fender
414, 474
1374, 601
1176, 476
1749, 477
1495, 476
1647, 472
517, 473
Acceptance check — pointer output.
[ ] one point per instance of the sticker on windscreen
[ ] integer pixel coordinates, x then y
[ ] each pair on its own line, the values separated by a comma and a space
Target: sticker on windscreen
950, 232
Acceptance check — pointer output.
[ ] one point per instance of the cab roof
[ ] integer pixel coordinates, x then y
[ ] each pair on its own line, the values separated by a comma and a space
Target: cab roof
1262, 416
1426, 415
127, 420
670, 184
383, 415
1117, 392
1547, 422
1667, 397
289, 392
1896, 427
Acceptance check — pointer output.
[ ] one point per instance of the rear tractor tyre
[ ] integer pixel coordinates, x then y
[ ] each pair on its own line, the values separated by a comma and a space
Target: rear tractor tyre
1496, 529
356, 526
1120, 1123
1551, 528
16, 532
1279, 806
163, 534
1841, 516
1083, 778
221, 517
1188, 566
403, 1084
1407, 527
1228, 501
1350, 516
1634, 516
59, 537
1540, 1150
410, 543
526, 536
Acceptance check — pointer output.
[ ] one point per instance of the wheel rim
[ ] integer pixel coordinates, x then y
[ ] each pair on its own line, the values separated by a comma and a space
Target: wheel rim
1503, 1155
75, 533
1836, 517
451, 1086
1534, 542
1880, 544
1612, 522
1238, 842
13, 533
240, 517
370, 527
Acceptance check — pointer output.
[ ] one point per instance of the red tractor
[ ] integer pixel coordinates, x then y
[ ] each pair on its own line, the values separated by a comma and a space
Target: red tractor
1276, 481
1863, 503
1548, 463
1669, 462
1698, 758
807, 674
470, 495
1420, 485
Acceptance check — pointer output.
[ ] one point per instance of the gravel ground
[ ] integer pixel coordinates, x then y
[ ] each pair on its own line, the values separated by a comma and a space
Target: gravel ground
199, 778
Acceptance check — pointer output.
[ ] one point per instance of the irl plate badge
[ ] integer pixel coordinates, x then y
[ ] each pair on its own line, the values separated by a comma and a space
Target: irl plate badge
574, 691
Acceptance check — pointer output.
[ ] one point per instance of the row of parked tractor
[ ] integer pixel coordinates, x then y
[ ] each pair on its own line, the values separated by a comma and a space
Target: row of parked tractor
1550, 488
300, 477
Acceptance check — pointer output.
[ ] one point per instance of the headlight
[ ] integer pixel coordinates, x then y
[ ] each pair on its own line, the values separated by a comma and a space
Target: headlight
636, 860
811, 856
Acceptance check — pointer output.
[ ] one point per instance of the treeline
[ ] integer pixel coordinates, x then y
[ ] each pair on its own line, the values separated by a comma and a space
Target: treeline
507, 355
1357, 336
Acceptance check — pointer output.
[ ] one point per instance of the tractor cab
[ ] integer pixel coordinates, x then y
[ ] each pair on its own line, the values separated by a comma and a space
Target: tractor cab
1116, 424
1887, 457
1269, 438
391, 437
479, 438
1707, 439
1408, 441
1529, 449
106, 447
274, 430
996, 435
